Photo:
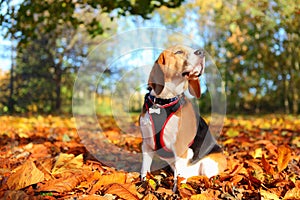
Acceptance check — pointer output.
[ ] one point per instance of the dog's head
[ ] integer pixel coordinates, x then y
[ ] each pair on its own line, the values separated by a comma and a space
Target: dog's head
176, 69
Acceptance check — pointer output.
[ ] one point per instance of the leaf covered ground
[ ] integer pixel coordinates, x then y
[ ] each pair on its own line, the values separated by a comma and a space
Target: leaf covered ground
42, 158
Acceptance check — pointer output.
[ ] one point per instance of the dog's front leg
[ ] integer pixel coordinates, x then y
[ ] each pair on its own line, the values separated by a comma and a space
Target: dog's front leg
147, 160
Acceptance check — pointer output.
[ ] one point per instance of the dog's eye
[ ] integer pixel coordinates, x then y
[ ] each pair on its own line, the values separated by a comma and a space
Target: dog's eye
179, 52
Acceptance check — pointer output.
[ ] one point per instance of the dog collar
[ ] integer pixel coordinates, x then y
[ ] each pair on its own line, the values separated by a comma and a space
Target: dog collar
162, 102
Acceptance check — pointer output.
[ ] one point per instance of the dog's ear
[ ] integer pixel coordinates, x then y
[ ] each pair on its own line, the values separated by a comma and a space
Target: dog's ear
194, 85
157, 77
194, 88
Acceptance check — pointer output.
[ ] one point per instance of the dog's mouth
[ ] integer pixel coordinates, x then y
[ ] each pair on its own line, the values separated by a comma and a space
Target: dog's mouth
190, 75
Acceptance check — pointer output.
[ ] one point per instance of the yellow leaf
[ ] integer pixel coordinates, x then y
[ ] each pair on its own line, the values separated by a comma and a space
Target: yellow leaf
126, 191
152, 184
284, 157
296, 141
202, 196
25, 175
232, 132
268, 195
229, 141
257, 153
66, 162
116, 177
292, 194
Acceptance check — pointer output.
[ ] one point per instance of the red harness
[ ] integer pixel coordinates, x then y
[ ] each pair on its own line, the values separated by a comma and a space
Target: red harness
161, 111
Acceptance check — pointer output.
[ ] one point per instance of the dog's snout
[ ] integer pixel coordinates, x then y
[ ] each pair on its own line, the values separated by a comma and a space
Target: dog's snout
199, 52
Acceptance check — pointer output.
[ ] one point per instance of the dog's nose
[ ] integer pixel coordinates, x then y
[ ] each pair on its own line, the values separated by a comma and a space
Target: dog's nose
200, 52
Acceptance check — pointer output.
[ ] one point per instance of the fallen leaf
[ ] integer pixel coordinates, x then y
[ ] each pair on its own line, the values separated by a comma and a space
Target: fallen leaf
257, 153
236, 179
25, 175
202, 196
107, 179
62, 159
150, 196
63, 184
186, 192
296, 141
268, 195
94, 197
65, 162
15, 195
164, 191
152, 184
266, 165
284, 157
292, 194
124, 191
232, 132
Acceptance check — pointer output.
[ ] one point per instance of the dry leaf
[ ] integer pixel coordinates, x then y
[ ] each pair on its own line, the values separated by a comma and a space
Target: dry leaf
15, 195
284, 157
150, 196
236, 179
202, 196
94, 197
65, 162
116, 177
123, 191
292, 194
26, 175
266, 165
164, 191
185, 192
268, 195
64, 184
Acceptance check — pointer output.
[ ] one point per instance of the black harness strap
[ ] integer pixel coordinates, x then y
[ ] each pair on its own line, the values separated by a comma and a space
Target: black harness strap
204, 142
160, 117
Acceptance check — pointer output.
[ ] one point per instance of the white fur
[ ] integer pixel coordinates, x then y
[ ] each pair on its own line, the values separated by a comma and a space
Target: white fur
181, 167
171, 89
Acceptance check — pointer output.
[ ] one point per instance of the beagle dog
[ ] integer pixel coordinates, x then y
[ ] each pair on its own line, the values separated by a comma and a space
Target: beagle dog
169, 124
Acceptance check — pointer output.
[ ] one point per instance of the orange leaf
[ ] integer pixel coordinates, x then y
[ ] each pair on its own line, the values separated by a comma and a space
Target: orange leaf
124, 191
292, 194
203, 196
116, 177
150, 196
94, 197
67, 162
26, 175
284, 157
268, 195
15, 194
236, 179
64, 184
266, 165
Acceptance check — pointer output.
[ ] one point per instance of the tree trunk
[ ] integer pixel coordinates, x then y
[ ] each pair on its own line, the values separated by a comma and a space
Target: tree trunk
58, 78
294, 95
285, 94
11, 82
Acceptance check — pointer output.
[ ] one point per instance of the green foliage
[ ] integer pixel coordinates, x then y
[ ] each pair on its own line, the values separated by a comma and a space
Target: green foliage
33, 17
255, 44
53, 40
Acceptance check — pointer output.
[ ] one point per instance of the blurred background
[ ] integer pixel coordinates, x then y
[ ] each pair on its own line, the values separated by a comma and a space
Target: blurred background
254, 43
